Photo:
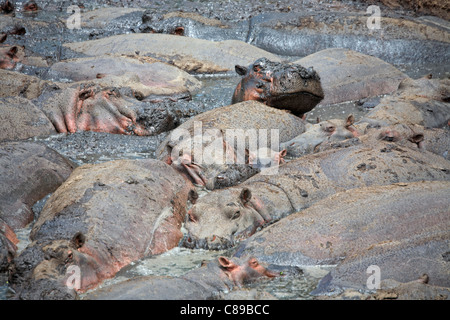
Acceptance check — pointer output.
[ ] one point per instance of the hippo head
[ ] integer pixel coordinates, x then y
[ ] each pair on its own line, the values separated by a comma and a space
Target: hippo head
279, 85
61, 269
219, 219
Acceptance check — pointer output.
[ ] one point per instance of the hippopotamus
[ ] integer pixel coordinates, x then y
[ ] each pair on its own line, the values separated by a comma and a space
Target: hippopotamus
91, 106
29, 171
101, 219
285, 86
206, 282
8, 57
329, 130
211, 148
224, 217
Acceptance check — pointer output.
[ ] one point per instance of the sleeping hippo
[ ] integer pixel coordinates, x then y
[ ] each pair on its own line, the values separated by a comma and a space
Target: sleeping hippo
280, 85
222, 217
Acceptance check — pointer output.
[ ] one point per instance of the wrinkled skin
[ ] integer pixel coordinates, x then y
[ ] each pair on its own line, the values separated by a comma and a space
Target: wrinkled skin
329, 130
225, 155
205, 282
221, 217
101, 219
282, 86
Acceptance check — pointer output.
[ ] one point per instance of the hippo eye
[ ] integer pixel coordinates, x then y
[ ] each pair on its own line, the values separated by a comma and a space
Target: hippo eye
329, 128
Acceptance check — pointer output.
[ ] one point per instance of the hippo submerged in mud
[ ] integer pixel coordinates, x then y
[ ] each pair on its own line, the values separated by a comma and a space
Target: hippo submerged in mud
101, 219
222, 217
279, 85
202, 283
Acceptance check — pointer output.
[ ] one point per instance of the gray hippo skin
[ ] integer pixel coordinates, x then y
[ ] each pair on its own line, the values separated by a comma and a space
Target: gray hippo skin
202, 283
280, 85
101, 219
222, 217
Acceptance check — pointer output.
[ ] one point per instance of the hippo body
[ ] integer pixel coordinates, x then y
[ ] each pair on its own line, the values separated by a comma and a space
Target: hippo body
8, 248
223, 135
104, 217
326, 131
221, 217
202, 283
279, 85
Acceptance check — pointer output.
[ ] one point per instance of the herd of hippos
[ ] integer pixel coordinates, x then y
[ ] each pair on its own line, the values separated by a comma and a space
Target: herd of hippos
346, 192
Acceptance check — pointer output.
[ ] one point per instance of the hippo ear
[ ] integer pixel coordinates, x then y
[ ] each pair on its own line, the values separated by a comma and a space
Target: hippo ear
193, 196
227, 263
78, 240
240, 70
245, 196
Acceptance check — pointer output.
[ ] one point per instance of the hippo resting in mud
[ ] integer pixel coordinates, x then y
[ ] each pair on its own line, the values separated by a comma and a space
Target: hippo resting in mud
401, 228
222, 217
29, 171
202, 283
101, 219
210, 148
280, 85
90, 106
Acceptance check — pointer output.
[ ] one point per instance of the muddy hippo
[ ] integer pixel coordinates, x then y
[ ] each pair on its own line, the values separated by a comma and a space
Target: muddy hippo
210, 148
329, 130
8, 248
101, 219
401, 228
223, 217
202, 283
279, 85
29, 171
89, 106
8, 57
